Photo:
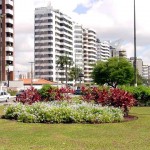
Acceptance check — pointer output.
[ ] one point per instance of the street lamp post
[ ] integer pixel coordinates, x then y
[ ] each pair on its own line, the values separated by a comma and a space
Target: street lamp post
135, 67
31, 73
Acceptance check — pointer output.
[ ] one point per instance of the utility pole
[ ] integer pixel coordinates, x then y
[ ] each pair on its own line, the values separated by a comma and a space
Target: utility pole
1, 49
31, 73
135, 60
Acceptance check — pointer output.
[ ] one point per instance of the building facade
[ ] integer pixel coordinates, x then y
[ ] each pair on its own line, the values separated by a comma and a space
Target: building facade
78, 47
6, 40
57, 35
53, 38
103, 50
139, 64
90, 53
146, 71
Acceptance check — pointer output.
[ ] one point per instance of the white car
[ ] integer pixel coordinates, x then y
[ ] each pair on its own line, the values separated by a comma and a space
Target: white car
4, 96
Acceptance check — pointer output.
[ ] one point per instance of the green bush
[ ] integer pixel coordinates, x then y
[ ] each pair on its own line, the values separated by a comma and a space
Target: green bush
140, 93
44, 91
12, 92
63, 112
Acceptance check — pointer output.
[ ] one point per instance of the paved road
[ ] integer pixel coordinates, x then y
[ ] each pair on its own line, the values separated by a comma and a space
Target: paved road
10, 101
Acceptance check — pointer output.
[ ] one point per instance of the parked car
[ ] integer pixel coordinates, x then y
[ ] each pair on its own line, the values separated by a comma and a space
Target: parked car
4, 96
78, 92
19, 93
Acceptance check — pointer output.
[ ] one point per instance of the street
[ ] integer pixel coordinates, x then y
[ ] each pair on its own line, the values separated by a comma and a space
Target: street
10, 101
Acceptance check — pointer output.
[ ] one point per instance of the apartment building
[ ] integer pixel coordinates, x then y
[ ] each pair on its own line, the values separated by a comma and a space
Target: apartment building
85, 50
6, 40
117, 52
146, 71
103, 50
90, 53
78, 46
53, 38
57, 35
139, 64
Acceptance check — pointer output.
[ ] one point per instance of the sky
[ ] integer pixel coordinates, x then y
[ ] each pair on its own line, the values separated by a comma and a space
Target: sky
113, 20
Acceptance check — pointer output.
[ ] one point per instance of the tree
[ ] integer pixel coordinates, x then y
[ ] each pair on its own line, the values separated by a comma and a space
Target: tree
64, 62
74, 73
115, 71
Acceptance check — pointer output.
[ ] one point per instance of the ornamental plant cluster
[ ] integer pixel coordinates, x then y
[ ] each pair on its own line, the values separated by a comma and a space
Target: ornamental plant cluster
47, 93
109, 97
29, 96
63, 112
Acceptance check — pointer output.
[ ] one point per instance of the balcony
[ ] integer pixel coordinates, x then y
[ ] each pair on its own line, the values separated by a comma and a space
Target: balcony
9, 2
9, 58
9, 39
44, 58
11, 30
8, 11
10, 49
44, 53
43, 30
9, 21
45, 76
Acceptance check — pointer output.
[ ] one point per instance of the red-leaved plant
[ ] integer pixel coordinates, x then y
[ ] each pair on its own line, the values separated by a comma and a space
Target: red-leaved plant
29, 96
59, 94
32, 95
112, 97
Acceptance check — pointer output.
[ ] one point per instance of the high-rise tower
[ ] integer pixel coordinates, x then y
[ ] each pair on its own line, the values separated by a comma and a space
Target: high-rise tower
6, 40
53, 38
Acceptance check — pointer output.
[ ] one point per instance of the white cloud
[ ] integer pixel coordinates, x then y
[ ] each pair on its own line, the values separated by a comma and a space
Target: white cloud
111, 19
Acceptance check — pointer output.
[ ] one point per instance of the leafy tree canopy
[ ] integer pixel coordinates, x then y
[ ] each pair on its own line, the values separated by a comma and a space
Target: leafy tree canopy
64, 63
115, 71
74, 73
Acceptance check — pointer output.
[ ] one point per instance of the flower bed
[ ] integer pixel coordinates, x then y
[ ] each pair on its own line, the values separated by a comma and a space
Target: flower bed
63, 112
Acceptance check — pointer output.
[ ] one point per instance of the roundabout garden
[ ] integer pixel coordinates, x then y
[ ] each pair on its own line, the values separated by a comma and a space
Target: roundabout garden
55, 105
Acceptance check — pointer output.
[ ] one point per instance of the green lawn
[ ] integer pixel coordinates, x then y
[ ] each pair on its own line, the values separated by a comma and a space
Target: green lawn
132, 135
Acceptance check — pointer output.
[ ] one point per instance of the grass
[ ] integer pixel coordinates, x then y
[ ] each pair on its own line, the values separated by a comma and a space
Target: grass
132, 135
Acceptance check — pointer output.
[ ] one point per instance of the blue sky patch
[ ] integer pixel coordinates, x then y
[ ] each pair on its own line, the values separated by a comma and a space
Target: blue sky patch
81, 9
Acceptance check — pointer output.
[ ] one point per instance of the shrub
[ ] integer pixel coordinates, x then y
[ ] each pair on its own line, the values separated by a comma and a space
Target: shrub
12, 92
29, 96
63, 112
44, 92
140, 93
49, 93
109, 97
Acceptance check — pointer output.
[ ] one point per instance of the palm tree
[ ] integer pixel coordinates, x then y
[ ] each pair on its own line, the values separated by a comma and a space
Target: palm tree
74, 73
64, 62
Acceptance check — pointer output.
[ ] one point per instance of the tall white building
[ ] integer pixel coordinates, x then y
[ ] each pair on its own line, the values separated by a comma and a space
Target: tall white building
53, 38
6, 40
103, 50
90, 53
57, 35
139, 64
146, 71
78, 46
85, 50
